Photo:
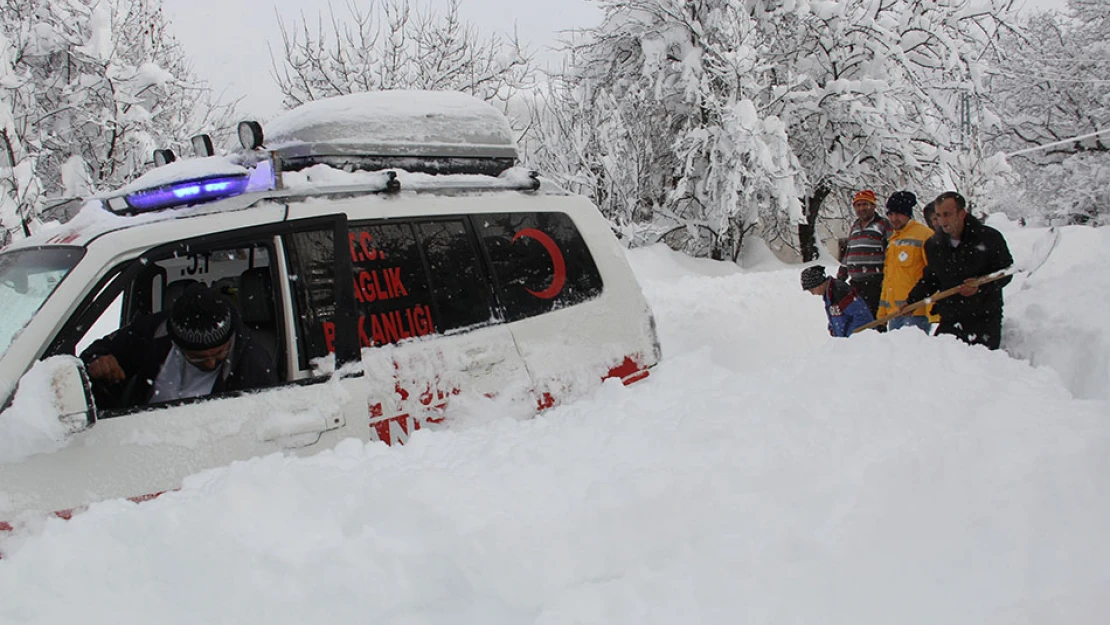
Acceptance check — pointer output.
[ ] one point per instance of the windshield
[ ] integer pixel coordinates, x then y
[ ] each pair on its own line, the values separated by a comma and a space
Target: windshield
27, 278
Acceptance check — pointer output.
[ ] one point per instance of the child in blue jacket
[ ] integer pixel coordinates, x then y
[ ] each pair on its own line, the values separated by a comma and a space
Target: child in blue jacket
845, 308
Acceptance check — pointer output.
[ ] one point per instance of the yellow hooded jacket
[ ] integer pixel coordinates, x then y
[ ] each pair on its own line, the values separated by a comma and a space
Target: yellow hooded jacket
905, 263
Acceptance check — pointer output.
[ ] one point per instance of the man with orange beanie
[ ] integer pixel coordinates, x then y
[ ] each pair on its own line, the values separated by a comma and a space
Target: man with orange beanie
865, 252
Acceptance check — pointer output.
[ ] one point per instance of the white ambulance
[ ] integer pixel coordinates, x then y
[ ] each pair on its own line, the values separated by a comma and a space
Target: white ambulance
385, 248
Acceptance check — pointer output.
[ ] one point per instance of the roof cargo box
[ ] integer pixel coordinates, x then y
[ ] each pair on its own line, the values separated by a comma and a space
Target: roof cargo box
438, 132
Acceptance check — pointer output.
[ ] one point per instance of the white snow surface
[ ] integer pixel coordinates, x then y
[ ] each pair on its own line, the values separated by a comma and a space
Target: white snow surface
764, 473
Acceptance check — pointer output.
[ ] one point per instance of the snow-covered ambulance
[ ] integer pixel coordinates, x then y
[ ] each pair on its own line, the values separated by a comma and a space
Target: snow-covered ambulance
386, 248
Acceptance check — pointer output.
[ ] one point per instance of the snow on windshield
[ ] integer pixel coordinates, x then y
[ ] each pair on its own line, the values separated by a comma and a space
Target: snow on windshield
27, 278
763, 473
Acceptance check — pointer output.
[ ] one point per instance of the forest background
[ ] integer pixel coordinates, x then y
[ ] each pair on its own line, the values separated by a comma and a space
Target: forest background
704, 124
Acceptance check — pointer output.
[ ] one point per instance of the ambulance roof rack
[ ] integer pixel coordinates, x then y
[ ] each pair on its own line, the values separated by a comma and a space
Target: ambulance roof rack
415, 132
441, 165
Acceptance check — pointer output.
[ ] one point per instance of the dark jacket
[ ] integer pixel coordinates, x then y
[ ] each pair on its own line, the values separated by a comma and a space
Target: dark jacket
142, 347
845, 308
982, 251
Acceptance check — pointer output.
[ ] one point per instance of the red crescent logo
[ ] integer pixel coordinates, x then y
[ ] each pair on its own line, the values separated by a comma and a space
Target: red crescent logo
559, 280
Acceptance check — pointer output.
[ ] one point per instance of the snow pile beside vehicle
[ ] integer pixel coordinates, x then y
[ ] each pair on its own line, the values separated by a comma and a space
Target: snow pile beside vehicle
714, 308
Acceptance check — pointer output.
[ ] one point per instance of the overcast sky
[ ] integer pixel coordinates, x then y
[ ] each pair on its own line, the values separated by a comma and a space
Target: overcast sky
230, 40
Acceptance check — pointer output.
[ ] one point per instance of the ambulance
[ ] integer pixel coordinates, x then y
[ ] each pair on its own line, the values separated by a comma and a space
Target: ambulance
388, 251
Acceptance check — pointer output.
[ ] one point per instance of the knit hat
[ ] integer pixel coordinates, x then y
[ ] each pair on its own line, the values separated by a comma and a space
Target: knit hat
901, 202
813, 276
199, 319
867, 195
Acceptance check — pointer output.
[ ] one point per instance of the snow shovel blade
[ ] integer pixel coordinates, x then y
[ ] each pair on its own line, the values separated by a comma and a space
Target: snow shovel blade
1042, 249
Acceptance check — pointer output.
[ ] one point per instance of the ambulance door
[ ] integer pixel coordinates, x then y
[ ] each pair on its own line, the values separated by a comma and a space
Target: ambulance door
144, 450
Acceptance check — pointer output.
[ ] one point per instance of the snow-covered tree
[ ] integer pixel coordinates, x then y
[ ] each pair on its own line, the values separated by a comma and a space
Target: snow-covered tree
873, 93
715, 117
389, 44
19, 189
1053, 84
88, 89
673, 96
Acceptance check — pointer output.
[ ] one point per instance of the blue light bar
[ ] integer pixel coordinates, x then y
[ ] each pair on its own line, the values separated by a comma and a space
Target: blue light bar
187, 192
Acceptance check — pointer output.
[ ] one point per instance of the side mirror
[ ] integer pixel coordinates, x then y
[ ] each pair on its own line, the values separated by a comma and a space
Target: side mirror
72, 397
53, 402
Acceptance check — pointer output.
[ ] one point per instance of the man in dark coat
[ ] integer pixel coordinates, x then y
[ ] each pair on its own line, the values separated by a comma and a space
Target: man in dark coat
201, 347
963, 248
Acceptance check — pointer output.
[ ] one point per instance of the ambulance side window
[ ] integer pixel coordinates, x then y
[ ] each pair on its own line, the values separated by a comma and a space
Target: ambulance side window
392, 296
159, 279
104, 324
311, 260
540, 262
461, 294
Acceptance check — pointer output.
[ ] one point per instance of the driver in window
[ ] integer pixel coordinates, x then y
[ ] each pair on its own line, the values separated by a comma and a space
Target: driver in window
200, 348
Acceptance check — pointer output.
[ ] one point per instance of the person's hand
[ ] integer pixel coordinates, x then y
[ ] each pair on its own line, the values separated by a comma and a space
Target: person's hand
967, 289
106, 369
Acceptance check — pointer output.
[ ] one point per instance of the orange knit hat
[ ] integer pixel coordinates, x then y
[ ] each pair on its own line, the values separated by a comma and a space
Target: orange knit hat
867, 195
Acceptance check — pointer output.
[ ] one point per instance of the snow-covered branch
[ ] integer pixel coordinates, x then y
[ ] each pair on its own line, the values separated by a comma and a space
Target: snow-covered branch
388, 44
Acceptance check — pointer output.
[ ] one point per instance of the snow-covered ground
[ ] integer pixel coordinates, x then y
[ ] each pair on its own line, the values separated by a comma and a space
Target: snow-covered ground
764, 473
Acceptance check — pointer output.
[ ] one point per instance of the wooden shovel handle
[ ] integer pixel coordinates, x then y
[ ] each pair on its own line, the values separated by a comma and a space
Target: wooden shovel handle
936, 297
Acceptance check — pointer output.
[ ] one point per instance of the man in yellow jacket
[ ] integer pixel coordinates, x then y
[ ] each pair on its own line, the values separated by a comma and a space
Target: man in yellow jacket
905, 261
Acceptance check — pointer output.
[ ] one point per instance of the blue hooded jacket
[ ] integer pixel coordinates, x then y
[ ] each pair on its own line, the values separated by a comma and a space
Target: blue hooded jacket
845, 308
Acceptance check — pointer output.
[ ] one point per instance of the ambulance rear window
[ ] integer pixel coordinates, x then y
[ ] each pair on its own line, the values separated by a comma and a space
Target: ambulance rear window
540, 262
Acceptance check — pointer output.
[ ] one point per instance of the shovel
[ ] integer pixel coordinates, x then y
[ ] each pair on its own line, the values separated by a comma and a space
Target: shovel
1041, 250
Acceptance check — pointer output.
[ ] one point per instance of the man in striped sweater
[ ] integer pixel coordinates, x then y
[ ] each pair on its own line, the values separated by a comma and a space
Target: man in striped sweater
862, 265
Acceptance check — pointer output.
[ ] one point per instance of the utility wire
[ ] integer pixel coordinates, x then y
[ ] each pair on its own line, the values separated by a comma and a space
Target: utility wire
1056, 143
1067, 59
1035, 77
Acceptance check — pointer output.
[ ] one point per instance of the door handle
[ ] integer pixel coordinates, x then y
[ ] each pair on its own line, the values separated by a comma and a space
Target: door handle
482, 361
285, 425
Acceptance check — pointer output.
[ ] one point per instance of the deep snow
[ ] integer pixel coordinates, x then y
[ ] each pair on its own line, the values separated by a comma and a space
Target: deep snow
764, 473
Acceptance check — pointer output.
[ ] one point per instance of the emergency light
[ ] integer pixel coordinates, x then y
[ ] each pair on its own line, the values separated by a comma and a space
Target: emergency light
187, 192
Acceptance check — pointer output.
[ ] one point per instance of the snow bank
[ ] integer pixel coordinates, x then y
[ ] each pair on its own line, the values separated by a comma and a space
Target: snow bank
702, 496
764, 473
738, 319
1057, 318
